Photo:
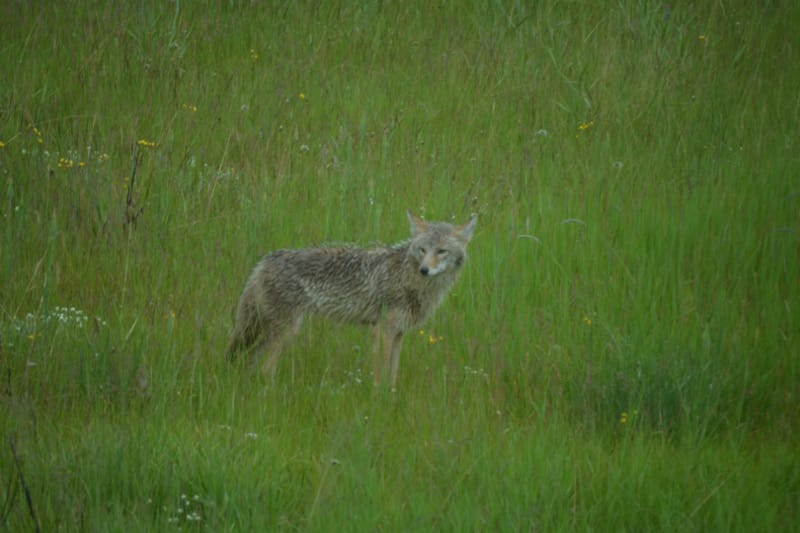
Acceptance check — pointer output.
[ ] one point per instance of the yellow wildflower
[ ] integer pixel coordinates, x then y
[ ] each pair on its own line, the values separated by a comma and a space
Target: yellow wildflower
36, 131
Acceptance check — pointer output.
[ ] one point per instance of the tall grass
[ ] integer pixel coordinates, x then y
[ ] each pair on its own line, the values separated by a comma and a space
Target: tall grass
620, 353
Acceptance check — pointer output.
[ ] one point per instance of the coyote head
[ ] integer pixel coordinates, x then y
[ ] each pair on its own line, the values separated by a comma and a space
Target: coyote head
439, 247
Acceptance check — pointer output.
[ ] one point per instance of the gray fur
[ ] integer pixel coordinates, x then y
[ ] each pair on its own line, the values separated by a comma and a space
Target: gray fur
392, 288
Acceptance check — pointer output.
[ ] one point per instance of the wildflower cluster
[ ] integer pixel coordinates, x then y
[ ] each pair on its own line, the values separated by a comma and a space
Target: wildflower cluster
66, 316
188, 510
38, 133
189, 107
65, 162
584, 127
625, 417
253, 54
147, 144
2, 144
432, 339
70, 158
73, 158
480, 372
62, 317
354, 376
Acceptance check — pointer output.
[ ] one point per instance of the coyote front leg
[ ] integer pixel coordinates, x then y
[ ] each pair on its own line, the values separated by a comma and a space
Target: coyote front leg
380, 347
394, 350
388, 341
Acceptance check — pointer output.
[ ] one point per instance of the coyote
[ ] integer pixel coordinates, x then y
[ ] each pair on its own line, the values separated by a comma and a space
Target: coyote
391, 288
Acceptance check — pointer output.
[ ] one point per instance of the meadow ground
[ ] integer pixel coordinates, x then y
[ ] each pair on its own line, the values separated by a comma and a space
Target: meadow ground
621, 352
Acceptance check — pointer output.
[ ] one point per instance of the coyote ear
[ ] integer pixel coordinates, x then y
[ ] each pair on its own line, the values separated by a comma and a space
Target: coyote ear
465, 231
417, 224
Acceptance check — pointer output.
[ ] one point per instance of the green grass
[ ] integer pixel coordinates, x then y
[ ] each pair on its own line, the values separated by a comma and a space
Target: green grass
620, 353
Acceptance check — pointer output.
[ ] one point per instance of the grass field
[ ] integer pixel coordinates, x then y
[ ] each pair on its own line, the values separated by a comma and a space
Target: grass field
621, 353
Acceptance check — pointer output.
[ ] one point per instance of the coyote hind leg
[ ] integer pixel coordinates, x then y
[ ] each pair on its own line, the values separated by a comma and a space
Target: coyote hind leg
273, 345
244, 338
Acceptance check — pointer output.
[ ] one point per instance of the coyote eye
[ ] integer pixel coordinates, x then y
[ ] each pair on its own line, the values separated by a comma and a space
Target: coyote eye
441, 251
422, 250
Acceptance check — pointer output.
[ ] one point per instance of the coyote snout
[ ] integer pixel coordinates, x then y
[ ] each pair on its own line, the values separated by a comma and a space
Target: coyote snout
391, 288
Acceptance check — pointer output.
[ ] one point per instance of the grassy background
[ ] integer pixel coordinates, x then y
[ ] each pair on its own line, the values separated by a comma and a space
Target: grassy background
620, 353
